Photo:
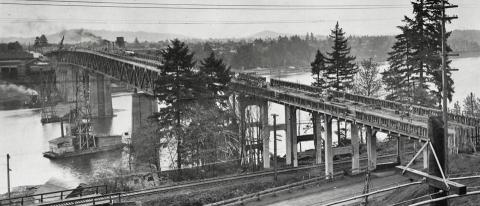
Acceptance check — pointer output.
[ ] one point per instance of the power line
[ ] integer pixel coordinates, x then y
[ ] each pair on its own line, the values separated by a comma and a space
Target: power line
203, 7
107, 21
225, 5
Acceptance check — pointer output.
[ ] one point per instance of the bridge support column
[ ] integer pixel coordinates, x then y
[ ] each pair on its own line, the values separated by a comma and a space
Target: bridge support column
328, 147
400, 150
142, 107
291, 135
425, 158
265, 132
317, 135
371, 148
100, 96
66, 78
355, 148
240, 107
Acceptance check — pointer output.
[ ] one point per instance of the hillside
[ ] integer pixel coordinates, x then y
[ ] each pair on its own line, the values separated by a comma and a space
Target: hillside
73, 36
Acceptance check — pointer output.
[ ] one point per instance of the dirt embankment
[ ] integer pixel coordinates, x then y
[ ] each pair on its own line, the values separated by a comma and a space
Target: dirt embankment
459, 165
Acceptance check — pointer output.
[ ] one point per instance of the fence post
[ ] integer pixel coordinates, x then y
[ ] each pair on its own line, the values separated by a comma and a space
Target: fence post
41, 198
61, 195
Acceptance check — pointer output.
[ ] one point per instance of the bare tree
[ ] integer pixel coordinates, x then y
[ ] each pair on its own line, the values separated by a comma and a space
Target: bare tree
367, 80
471, 105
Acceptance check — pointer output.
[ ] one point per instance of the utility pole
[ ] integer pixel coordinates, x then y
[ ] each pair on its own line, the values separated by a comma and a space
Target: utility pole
8, 176
444, 81
275, 146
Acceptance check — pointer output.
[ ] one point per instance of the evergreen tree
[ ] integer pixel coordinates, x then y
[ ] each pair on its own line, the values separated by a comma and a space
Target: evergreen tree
319, 70
43, 40
434, 57
136, 42
177, 88
215, 75
341, 69
416, 57
398, 77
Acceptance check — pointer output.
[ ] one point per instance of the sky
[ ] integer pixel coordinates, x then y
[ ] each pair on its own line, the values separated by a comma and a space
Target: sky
215, 19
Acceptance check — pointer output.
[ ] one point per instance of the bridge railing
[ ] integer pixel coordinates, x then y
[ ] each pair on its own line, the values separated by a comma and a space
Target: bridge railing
307, 88
107, 199
255, 80
339, 111
148, 56
129, 58
418, 110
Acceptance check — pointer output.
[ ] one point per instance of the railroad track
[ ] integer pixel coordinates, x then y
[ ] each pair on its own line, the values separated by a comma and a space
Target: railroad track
127, 196
233, 178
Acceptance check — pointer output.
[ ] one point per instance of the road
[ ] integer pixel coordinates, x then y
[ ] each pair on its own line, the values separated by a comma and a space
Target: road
334, 191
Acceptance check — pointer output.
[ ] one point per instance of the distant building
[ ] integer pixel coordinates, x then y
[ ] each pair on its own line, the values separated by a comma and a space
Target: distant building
14, 63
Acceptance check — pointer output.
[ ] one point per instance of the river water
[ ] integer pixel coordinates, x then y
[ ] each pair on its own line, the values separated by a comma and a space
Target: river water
25, 138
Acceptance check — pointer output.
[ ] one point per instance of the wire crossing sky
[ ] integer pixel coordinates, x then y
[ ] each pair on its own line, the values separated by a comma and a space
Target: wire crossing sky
216, 18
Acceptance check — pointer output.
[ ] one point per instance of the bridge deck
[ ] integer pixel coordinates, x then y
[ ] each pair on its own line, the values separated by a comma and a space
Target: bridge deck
117, 58
355, 106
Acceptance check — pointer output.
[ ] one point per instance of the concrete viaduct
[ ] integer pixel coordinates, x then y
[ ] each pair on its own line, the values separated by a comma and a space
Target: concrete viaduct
374, 115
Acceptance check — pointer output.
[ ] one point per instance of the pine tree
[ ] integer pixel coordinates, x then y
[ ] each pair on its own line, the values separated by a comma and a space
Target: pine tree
416, 57
434, 57
318, 70
416, 27
398, 77
341, 69
177, 88
215, 75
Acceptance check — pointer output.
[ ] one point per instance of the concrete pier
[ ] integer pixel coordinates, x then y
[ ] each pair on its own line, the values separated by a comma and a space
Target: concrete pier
371, 148
401, 150
355, 148
317, 121
425, 158
100, 96
328, 147
265, 133
291, 135
143, 106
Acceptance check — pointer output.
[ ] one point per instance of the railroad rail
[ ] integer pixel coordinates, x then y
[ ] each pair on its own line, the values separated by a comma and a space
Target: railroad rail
99, 199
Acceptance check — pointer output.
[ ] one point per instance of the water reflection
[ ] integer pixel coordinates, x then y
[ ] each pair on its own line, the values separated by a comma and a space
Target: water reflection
25, 138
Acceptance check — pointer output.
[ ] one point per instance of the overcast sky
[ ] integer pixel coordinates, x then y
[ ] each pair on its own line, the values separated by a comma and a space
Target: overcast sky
358, 17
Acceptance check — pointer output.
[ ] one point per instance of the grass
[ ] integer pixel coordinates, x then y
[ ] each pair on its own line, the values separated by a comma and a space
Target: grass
217, 193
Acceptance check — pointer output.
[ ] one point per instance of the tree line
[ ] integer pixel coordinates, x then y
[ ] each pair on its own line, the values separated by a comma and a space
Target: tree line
414, 64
